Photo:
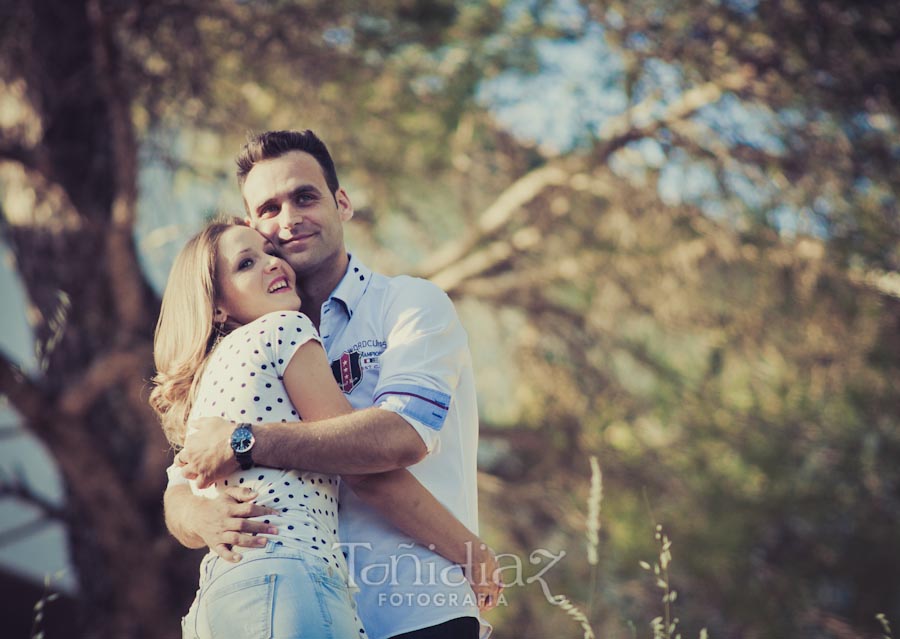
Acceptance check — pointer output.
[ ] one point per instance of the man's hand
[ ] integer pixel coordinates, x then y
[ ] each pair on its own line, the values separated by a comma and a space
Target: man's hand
223, 522
207, 455
483, 574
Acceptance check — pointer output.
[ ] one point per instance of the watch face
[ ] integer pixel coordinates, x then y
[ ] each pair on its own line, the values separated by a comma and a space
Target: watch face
242, 440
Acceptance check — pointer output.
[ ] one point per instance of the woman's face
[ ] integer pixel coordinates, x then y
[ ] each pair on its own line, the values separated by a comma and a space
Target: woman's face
252, 280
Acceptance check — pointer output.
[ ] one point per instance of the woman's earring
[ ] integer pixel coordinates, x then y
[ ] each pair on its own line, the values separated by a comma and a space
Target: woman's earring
220, 332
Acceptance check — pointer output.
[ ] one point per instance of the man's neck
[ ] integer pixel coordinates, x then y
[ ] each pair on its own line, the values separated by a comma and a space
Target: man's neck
315, 286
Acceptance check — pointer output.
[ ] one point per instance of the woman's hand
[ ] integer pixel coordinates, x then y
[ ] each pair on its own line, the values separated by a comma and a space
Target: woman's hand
483, 574
207, 455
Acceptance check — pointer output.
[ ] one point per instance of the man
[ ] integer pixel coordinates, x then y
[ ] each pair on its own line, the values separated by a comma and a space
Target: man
401, 357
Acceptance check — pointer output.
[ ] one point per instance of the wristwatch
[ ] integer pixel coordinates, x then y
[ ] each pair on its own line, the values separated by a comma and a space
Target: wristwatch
242, 441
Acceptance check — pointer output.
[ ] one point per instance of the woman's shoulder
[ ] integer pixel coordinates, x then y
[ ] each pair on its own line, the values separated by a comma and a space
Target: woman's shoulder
285, 317
280, 321
267, 335
267, 324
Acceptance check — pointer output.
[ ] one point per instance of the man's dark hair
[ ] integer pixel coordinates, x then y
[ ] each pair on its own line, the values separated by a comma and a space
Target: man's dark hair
273, 144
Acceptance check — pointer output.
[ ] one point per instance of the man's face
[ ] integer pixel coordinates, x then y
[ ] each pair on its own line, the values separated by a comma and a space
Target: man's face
290, 203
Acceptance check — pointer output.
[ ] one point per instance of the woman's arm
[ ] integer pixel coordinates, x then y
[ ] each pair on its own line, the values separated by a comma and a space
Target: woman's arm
397, 494
400, 497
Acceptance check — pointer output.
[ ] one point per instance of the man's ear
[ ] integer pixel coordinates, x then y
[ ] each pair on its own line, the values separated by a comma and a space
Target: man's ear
344, 206
220, 316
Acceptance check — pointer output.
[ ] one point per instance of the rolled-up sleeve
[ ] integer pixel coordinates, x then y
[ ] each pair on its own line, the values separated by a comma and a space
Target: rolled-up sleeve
426, 350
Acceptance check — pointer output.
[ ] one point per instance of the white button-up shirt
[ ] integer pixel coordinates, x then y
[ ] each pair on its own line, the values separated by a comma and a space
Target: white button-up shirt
397, 343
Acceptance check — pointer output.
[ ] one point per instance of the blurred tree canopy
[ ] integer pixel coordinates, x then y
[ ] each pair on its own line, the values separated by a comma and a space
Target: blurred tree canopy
701, 288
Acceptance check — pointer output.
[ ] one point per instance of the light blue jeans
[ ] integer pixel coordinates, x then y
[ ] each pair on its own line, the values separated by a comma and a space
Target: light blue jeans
279, 593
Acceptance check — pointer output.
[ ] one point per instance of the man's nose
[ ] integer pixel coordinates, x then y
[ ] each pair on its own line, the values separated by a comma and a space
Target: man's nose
290, 216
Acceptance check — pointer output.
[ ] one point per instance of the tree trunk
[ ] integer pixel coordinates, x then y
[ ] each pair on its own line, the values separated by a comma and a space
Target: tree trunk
93, 316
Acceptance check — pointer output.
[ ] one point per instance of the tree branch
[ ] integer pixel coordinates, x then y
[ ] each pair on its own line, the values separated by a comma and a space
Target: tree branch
635, 123
885, 282
517, 195
104, 373
23, 394
20, 532
489, 257
744, 159
639, 122
14, 485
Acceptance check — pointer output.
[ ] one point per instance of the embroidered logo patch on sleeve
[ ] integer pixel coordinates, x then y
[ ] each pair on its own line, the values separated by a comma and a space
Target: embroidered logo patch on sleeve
347, 371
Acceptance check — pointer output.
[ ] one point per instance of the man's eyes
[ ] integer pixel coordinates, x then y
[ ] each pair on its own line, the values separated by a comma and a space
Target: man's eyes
301, 198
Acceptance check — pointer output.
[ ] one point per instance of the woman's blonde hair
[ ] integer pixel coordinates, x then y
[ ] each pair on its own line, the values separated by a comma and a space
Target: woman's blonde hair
186, 331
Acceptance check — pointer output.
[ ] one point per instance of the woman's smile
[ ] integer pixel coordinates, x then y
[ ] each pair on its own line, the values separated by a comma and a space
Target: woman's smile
280, 285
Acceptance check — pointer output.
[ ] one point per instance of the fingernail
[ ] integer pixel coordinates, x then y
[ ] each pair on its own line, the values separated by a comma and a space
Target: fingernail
271, 530
262, 541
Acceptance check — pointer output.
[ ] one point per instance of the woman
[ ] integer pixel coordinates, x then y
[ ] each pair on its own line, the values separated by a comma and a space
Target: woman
230, 343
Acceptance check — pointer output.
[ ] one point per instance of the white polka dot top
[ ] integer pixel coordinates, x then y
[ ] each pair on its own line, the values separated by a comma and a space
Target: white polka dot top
242, 382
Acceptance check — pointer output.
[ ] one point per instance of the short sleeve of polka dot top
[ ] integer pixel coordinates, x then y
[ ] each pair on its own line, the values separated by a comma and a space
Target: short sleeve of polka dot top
242, 382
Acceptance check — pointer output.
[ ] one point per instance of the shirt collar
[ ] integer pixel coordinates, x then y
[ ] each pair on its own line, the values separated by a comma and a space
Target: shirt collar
352, 286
